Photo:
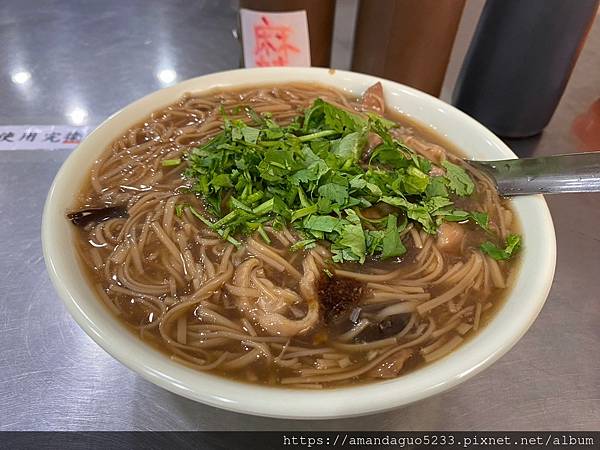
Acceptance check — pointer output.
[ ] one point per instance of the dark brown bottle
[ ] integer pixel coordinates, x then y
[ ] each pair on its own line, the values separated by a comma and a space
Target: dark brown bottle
408, 41
319, 13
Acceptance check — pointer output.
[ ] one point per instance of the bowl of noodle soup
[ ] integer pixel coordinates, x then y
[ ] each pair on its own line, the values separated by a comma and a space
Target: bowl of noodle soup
293, 321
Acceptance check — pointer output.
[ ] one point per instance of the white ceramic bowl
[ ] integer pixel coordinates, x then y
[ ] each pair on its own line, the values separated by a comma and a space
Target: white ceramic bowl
511, 322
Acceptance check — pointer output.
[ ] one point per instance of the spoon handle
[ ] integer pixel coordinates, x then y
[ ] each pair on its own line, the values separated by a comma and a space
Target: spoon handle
576, 172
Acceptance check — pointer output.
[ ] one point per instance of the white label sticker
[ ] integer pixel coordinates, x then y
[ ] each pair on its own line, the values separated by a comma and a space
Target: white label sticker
275, 39
41, 137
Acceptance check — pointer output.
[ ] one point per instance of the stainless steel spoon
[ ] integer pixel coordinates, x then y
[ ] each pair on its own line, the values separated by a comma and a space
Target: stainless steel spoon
575, 172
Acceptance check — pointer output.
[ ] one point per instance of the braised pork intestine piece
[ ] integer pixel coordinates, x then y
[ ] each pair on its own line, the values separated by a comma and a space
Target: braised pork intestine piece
269, 314
372, 99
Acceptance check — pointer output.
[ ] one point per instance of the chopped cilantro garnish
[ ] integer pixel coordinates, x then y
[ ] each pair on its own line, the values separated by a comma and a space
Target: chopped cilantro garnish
310, 175
263, 234
513, 244
392, 244
300, 245
171, 162
479, 218
459, 180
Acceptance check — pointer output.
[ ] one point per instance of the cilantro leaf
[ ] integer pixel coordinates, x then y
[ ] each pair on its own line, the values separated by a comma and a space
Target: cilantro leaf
340, 119
358, 182
335, 193
352, 241
303, 244
437, 187
436, 203
415, 181
222, 181
392, 244
480, 218
388, 154
250, 134
513, 245
321, 223
459, 180
350, 146
418, 213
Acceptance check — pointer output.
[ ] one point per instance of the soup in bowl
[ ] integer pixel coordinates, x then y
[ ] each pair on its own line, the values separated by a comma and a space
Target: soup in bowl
310, 235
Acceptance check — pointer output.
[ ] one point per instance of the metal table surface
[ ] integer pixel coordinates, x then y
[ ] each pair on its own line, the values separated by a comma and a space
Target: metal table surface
99, 56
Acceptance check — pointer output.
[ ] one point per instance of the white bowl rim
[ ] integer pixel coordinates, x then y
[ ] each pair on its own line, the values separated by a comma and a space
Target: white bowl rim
502, 333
